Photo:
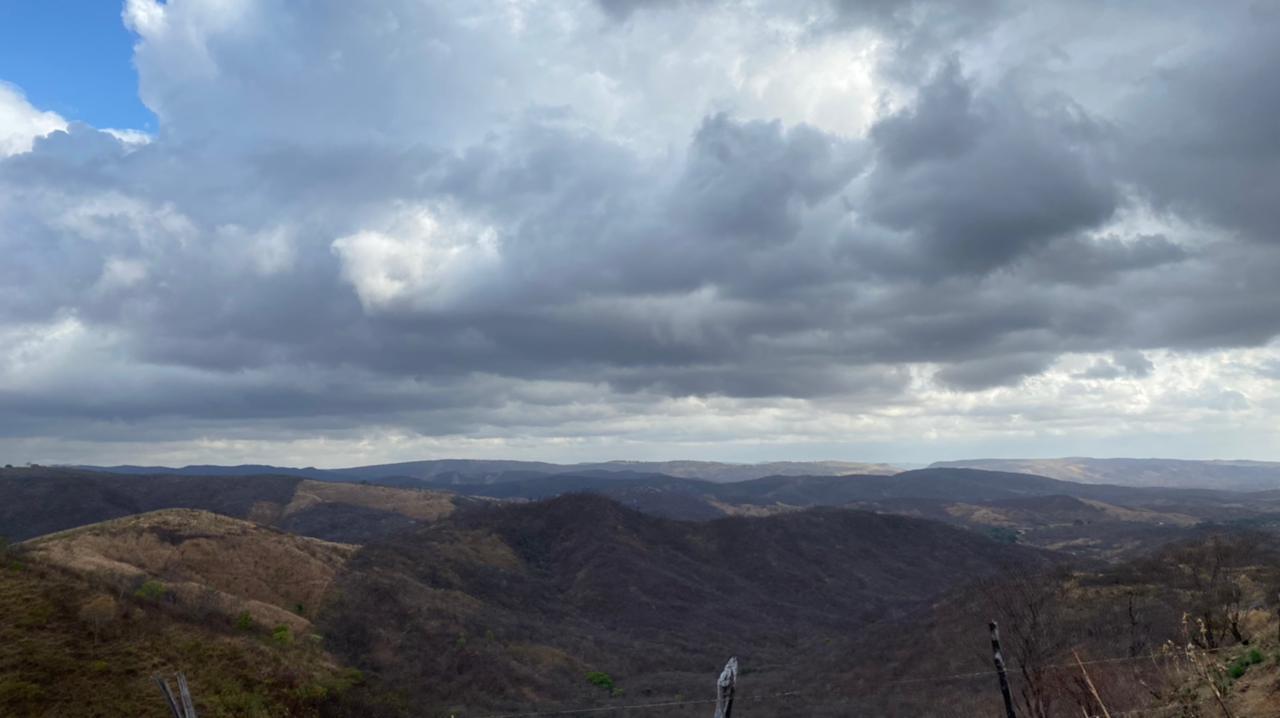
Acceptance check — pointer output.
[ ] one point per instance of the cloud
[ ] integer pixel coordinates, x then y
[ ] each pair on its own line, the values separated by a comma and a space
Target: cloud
569, 227
422, 262
1119, 365
20, 123
972, 183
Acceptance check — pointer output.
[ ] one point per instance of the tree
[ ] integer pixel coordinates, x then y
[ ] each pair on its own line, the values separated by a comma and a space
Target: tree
151, 590
1027, 605
1210, 574
99, 613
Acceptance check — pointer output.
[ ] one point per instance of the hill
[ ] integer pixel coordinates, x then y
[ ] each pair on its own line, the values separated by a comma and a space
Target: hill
516, 604
1099, 521
224, 565
478, 471
75, 645
37, 501
1228, 475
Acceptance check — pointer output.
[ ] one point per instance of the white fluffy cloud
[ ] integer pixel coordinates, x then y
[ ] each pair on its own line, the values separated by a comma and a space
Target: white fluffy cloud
423, 260
20, 123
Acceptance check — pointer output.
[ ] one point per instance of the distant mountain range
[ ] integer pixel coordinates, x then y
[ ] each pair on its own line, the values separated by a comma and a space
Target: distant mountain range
1094, 520
1230, 475
443, 473
38, 501
478, 471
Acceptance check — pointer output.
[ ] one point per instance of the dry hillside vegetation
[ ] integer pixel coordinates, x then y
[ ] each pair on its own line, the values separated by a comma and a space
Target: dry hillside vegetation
71, 647
418, 505
515, 605
1236, 475
230, 564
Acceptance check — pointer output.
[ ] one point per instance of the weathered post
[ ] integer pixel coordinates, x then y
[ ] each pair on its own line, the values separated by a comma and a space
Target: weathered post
185, 691
725, 687
1000, 671
168, 696
181, 705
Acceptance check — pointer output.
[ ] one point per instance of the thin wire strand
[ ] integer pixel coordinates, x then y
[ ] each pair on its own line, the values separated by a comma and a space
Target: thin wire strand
925, 679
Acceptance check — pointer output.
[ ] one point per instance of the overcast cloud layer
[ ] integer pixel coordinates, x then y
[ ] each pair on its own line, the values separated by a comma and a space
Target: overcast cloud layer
881, 230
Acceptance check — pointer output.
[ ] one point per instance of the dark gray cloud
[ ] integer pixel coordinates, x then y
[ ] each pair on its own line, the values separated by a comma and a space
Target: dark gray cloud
1122, 364
1202, 137
993, 371
975, 182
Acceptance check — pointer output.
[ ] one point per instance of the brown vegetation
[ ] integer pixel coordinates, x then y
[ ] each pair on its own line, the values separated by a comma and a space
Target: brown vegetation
69, 650
222, 564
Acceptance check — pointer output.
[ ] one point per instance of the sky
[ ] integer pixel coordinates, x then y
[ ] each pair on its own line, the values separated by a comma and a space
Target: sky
335, 233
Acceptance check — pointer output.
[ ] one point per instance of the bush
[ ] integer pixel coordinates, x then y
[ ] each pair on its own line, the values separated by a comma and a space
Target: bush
1241, 665
282, 635
15, 691
604, 680
99, 612
244, 621
1002, 534
150, 590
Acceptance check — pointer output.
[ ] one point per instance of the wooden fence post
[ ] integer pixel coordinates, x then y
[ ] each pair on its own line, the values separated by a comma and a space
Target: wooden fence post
185, 691
181, 705
725, 687
1000, 671
168, 696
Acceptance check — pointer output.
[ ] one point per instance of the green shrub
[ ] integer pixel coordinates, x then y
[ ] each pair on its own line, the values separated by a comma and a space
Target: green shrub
604, 680
150, 590
282, 635
14, 691
244, 621
1241, 664
1002, 534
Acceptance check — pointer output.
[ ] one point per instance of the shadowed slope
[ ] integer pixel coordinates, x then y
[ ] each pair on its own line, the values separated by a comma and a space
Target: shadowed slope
516, 603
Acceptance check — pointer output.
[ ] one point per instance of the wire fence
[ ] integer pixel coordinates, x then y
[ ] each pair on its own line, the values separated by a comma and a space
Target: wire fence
825, 701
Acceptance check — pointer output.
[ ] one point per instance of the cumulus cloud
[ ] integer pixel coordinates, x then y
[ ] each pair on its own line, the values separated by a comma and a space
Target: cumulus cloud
20, 123
593, 228
423, 261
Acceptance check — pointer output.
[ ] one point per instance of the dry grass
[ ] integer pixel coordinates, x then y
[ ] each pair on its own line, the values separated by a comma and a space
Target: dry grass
419, 505
229, 564
1120, 513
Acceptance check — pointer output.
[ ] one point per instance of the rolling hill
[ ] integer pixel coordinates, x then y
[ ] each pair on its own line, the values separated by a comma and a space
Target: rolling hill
36, 501
225, 565
1228, 475
1095, 520
516, 604
478, 471
91, 615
